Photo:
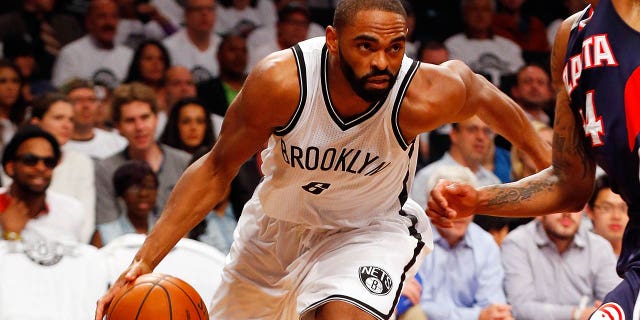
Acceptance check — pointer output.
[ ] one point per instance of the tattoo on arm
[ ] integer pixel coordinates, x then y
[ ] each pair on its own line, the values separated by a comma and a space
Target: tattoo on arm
514, 195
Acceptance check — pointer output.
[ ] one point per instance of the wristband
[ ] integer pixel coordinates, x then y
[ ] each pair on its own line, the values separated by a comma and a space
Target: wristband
11, 236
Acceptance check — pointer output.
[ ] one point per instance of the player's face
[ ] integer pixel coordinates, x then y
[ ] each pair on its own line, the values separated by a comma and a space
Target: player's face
138, 125
371, 51
58, 121
192, 125
561, 226
151, 64
609, 215
31, 176
140, 199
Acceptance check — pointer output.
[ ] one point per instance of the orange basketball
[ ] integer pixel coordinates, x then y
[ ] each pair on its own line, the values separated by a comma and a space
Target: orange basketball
157, 296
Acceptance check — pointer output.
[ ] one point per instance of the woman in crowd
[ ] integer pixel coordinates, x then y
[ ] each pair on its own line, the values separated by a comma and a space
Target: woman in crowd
12, 103
137, 185
189, 126
149, 66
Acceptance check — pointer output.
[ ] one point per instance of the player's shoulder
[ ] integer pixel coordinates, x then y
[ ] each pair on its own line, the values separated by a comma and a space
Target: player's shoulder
274, 80
439, 81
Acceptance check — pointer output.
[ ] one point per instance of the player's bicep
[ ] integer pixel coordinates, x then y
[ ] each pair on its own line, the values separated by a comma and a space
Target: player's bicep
267, 101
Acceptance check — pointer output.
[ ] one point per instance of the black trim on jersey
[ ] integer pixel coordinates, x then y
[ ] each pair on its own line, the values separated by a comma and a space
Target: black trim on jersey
402, 197
416, 252
373, 108
396, 106
338, 297
302, 79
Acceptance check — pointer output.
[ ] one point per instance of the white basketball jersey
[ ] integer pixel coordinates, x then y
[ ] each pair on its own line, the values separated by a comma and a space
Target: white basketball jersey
323, 171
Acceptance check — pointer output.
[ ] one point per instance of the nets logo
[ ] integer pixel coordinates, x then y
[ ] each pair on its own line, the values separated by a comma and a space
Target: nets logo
376, 280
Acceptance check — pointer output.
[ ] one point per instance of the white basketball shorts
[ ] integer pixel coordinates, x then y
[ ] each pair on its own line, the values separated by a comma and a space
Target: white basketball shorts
282, 270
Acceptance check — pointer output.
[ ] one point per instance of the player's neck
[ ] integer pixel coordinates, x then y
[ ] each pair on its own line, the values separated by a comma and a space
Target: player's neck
628, 10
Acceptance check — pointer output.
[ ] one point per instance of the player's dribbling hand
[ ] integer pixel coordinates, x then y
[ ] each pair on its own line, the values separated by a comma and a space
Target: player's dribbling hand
450, 200
136, 269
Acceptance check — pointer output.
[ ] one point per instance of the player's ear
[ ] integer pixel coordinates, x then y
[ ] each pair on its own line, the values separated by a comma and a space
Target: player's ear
332, 40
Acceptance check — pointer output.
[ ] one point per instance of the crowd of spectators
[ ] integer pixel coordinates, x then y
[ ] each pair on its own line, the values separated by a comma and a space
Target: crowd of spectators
104, 103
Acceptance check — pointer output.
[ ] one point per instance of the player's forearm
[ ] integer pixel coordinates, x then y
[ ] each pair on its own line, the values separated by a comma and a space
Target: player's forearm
195, 194
536, 195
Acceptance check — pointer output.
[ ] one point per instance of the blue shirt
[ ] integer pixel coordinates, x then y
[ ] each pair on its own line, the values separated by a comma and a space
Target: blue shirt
461, 281
219, 232
121, 226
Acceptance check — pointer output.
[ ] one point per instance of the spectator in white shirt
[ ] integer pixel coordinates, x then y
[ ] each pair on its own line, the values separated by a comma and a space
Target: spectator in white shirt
86, 137
95, 56
486, 53
196, 45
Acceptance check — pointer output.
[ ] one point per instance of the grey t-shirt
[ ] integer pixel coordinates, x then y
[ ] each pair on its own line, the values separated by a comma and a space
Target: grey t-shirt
174, 162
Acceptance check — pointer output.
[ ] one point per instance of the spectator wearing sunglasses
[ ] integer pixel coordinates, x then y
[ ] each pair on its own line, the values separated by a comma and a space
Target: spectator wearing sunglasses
28, 210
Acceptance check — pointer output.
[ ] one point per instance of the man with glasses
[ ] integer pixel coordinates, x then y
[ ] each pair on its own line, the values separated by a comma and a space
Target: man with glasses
28, 211
195, 47
86, 137
470, 143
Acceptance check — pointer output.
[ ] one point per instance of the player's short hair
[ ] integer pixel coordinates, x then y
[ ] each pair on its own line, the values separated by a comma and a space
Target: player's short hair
347, 10
127, 93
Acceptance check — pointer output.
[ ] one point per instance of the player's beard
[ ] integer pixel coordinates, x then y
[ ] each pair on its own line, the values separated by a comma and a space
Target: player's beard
358, 85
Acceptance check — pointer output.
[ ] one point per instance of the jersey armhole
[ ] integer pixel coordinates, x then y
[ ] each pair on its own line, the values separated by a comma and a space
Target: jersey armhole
302, 80
396, 105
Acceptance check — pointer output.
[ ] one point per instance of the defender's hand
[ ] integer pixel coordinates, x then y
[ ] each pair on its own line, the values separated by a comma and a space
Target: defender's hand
450, 200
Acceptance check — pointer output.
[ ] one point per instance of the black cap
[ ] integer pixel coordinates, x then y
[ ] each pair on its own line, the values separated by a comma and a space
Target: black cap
293, 7
23, 134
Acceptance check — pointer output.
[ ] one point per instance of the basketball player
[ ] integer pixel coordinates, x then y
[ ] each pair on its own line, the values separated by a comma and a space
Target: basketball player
596, 72
329, 232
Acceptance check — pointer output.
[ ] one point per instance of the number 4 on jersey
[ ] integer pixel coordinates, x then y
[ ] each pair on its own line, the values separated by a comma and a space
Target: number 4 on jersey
592, 124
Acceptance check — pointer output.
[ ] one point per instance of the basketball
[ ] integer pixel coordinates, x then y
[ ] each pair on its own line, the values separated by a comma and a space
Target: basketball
157, 296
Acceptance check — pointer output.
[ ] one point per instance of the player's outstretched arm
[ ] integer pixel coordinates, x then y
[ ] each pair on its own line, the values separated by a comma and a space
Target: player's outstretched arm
267, 101
565, 186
